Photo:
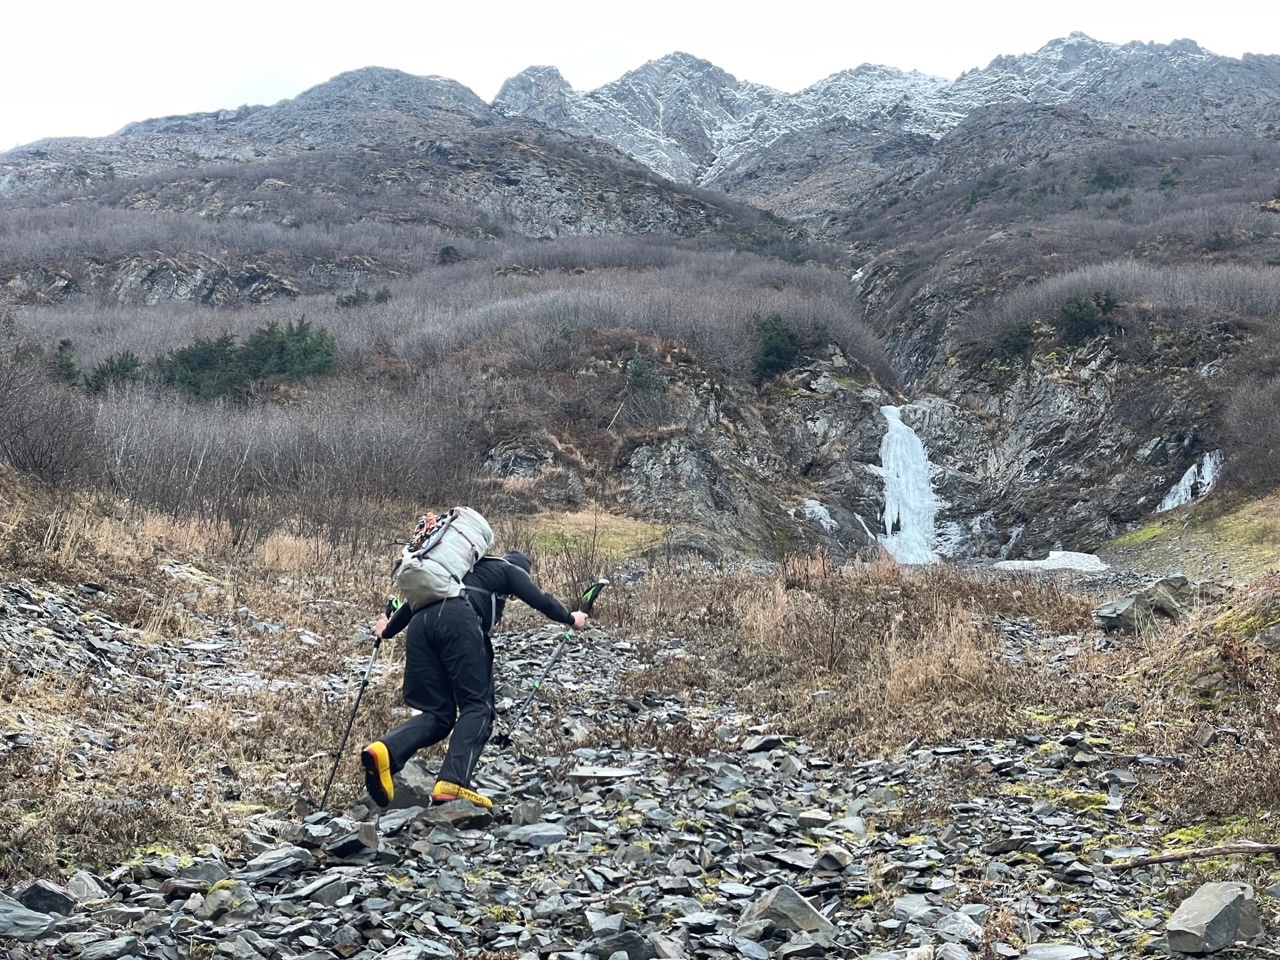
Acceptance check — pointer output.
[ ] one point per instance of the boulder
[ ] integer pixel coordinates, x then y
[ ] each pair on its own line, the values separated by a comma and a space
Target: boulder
231, 900
629, 943
1126, 615
19, 923
1169, 599
45, 897
1214, 917
84, 886
788, 910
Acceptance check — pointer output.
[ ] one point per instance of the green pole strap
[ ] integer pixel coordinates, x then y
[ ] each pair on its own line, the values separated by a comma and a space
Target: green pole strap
593, 591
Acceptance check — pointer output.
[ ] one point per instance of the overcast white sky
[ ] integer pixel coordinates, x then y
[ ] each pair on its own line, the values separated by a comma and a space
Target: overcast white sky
86, 67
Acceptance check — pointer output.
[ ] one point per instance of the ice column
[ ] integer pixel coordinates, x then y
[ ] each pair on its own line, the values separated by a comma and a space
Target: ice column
1196, 482
909, 502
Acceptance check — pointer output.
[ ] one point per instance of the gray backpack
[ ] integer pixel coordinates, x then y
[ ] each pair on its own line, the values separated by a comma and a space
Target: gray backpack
434, 570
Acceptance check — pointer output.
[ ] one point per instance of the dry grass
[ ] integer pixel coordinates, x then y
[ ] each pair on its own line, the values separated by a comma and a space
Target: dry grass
251, 732
182, 771
871, 658
863, 658
192, 748
1221, 671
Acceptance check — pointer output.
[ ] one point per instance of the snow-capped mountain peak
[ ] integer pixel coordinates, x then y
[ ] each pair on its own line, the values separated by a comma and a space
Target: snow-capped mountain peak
692, 121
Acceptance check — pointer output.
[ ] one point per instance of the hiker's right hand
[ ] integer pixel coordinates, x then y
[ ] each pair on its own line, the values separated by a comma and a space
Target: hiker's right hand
380, 626
579, 619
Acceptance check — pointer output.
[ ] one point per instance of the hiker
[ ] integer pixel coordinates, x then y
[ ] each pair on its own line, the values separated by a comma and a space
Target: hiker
448, 675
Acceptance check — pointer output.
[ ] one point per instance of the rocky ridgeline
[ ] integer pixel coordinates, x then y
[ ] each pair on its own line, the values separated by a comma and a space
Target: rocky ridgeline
634, 824
692, 122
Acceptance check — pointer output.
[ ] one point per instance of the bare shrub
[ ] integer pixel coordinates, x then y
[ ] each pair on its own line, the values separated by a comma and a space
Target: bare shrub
73, 236
704, 300
318, 463
46, 429
1232, 289
587, 253
1252, 429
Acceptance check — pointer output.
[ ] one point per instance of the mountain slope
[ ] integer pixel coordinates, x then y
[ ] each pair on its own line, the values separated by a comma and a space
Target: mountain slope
788, 150
676, 114
364, 107
1035, 279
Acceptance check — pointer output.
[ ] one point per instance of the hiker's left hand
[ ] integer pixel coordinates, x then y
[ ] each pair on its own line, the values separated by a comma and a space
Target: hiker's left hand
579, 619
380, 626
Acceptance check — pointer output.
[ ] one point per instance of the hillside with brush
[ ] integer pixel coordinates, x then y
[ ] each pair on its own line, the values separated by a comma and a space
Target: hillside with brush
1071, 304
729, 361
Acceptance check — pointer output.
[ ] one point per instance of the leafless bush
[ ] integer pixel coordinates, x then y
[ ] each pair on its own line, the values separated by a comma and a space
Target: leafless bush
1233, 289
72, 236
1252, 428
46, 430
704, 300
587, 253
319, 462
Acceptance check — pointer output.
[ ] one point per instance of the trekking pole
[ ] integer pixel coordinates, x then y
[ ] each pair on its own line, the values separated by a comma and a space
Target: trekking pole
392, 604
588, 600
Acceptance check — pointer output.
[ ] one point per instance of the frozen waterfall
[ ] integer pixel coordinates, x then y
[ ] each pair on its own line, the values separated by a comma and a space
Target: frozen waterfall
909, 502
1196, 482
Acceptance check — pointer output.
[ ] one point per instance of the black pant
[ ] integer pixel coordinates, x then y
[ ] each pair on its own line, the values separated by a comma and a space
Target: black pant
448, 675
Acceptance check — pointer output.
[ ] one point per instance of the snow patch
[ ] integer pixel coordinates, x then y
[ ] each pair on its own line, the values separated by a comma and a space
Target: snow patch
814, 510
1057, 560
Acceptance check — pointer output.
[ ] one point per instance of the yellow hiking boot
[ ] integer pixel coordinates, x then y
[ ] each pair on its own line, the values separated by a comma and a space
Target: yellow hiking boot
376, 761
445, 791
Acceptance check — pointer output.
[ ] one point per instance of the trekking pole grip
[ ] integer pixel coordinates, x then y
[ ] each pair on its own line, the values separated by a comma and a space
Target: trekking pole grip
593, 591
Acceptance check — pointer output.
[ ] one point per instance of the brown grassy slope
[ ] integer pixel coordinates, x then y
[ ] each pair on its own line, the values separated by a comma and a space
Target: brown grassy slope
871, 659
165, 751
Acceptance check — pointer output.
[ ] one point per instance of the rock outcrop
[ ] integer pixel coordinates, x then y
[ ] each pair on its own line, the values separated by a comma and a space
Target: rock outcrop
1170, 599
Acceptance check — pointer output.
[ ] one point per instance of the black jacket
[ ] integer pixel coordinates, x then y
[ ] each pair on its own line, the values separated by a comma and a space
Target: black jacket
491, 581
